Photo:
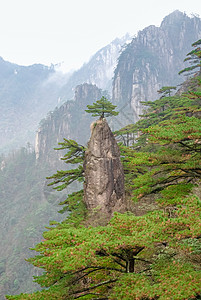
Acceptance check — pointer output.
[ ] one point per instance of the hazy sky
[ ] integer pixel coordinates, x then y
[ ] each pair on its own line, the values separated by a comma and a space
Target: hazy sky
53, 31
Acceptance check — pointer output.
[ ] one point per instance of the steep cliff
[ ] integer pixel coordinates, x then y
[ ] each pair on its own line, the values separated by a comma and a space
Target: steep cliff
103, 171
153, 59
70, 121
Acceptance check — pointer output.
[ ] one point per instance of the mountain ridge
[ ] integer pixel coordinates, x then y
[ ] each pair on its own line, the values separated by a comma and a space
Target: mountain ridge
28, 93
153, 59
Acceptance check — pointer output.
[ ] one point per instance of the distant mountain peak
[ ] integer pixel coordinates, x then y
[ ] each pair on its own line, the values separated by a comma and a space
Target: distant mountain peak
153, 59
174, 17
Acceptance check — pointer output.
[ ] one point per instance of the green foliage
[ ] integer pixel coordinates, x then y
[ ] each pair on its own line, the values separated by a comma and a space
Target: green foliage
169, 280
166, 91
168, 151
75, 155
76, 208
75, 152
157, 111
66, 177
194, 58
102, 108
22, 218
155, 255
177, 161
126, 134
74, 204
122, 251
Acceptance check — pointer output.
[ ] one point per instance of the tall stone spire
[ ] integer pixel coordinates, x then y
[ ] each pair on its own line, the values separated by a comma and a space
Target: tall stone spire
104, 177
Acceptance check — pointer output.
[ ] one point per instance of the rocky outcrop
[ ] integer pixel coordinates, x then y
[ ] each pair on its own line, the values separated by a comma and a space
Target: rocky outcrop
103, 171
152, 60
70, 121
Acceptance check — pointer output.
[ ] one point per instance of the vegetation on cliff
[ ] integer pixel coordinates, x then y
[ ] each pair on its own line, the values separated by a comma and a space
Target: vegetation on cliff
102, 108
153, 59
25, 209
194, 58
151, 253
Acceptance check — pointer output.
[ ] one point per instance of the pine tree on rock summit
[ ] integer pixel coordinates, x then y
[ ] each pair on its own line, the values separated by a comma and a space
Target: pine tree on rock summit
102, 108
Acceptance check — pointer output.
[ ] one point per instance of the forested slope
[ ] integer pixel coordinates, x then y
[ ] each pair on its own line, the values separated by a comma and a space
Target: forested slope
154, 250
26, 207
136, 254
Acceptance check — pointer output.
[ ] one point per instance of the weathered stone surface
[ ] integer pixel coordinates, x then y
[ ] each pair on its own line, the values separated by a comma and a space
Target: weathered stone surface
104, 177
152, 60
66, 122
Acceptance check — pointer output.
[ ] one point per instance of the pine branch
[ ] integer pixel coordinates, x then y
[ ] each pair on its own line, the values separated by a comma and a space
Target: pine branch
93, 287
96, 294
97, 269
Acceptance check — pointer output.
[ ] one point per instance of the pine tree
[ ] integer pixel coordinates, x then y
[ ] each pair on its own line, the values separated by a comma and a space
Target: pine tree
102, 108
156, 255
63, 178
194, 58
151, 256
74, 156
166, 91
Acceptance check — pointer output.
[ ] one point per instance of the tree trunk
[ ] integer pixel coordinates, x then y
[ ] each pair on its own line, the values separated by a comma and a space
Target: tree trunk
130, 265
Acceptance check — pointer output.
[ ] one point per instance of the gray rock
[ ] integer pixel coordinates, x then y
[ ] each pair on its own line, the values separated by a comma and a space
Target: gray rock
104, 177
152, 60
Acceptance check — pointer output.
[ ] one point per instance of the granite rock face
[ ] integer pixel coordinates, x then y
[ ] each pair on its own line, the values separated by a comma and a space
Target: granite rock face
69, 121
104, 177
152, 60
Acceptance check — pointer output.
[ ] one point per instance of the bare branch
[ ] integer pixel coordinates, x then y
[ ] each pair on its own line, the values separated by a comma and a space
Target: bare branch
93, 287
97, 269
